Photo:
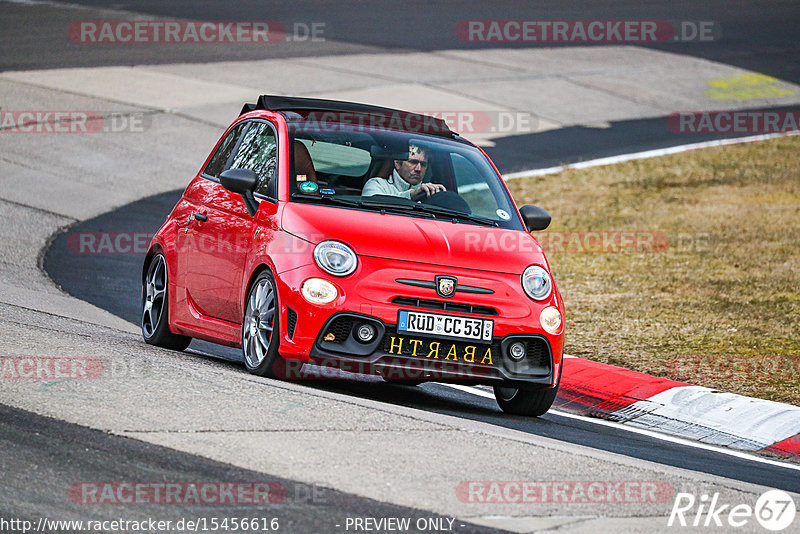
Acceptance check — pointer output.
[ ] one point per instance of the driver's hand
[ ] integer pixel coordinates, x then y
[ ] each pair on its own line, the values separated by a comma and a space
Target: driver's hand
430, 189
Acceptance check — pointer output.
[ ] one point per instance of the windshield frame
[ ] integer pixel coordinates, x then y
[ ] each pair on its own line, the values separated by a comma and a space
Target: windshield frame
382, 146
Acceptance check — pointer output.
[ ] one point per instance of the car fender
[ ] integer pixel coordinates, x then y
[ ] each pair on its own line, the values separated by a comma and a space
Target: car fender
279, 252
164, 241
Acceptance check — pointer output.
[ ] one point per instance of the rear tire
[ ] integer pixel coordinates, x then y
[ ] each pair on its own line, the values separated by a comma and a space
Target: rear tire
530, 403
155, 307
261, 327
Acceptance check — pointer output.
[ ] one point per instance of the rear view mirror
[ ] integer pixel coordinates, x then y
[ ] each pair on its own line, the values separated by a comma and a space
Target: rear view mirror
381, 152
242, 181
535, 218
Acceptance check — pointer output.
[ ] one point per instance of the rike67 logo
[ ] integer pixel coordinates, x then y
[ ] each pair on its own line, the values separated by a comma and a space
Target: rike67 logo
774, 510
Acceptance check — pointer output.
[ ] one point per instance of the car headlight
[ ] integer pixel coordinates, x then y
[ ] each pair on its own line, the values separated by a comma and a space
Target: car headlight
536, 282
319, 291
336, 258
550, 319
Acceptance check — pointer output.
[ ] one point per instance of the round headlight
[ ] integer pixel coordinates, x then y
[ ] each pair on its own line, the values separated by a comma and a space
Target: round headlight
336, 258
536, 282
319, 291
550, 318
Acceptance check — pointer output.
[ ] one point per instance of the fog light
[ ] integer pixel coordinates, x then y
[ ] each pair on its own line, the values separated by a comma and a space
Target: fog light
550, 319
365, 333
517, 350
319, 291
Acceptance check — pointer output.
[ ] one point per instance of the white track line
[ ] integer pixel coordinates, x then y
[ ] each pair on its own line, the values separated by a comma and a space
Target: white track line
716, 417
650, 433
646, 154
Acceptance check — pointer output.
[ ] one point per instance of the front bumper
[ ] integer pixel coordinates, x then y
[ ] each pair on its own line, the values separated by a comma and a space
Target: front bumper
413, 357
373, 295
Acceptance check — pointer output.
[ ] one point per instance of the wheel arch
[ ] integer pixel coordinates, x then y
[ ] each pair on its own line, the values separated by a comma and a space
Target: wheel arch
257, 270
154, 249
159, 247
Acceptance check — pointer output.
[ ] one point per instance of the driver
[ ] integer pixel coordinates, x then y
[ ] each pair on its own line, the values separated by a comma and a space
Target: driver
406, 178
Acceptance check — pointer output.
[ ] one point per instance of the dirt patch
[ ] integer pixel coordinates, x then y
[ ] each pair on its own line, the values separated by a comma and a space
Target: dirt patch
684, 266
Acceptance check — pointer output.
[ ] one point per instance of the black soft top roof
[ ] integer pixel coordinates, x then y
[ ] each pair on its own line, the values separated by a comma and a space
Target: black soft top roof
394, 119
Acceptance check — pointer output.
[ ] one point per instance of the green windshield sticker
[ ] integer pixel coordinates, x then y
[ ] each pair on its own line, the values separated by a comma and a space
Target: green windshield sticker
307, 187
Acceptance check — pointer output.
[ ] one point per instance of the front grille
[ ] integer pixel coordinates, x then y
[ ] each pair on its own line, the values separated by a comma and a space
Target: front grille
537, 353
444, 306
340, 328
291, 321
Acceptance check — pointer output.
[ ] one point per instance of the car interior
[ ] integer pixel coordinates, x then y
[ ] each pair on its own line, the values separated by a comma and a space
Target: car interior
349, 179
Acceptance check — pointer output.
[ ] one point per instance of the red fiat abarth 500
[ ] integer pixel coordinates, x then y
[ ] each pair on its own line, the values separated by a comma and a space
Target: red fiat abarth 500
327, 234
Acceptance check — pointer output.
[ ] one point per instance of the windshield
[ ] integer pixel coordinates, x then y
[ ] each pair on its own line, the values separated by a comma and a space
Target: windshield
417, 175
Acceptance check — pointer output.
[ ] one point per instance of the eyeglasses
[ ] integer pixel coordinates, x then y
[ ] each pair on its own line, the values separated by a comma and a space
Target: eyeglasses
415, 162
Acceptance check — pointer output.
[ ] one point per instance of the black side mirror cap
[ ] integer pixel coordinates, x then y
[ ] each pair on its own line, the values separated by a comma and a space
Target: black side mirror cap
535, 218
242, 181
239, 180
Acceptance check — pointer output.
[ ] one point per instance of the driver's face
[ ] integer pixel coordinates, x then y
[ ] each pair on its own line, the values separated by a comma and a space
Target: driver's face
413, 169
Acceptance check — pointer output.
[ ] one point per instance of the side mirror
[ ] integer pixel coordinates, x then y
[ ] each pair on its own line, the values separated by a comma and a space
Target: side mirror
242, 181
535, 218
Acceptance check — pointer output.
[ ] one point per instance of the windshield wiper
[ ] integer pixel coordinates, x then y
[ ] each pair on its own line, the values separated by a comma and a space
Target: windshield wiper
426, 209
370, 204
351, 202
396, 207
386, 205
446, 213
326, 198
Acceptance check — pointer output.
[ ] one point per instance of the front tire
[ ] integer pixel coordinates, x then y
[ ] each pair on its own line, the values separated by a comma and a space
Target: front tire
530, 403
155, 308
260, 328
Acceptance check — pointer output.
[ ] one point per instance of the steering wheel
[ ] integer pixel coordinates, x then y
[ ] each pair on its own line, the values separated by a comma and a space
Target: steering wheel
446, 199
419, 196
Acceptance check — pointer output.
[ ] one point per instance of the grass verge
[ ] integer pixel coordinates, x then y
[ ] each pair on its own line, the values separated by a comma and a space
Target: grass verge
684, 266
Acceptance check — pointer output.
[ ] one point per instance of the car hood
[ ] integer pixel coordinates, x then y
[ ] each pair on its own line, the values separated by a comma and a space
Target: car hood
415, 239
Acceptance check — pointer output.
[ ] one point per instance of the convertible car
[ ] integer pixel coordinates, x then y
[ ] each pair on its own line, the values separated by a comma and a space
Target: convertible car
322, 234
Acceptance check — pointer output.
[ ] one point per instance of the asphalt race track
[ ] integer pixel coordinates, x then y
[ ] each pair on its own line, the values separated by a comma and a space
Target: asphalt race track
78, 453
759, 36
756, 37
332, 450
116, 285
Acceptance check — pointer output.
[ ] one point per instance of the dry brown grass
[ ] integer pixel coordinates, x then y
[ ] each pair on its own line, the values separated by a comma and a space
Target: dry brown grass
720, 307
